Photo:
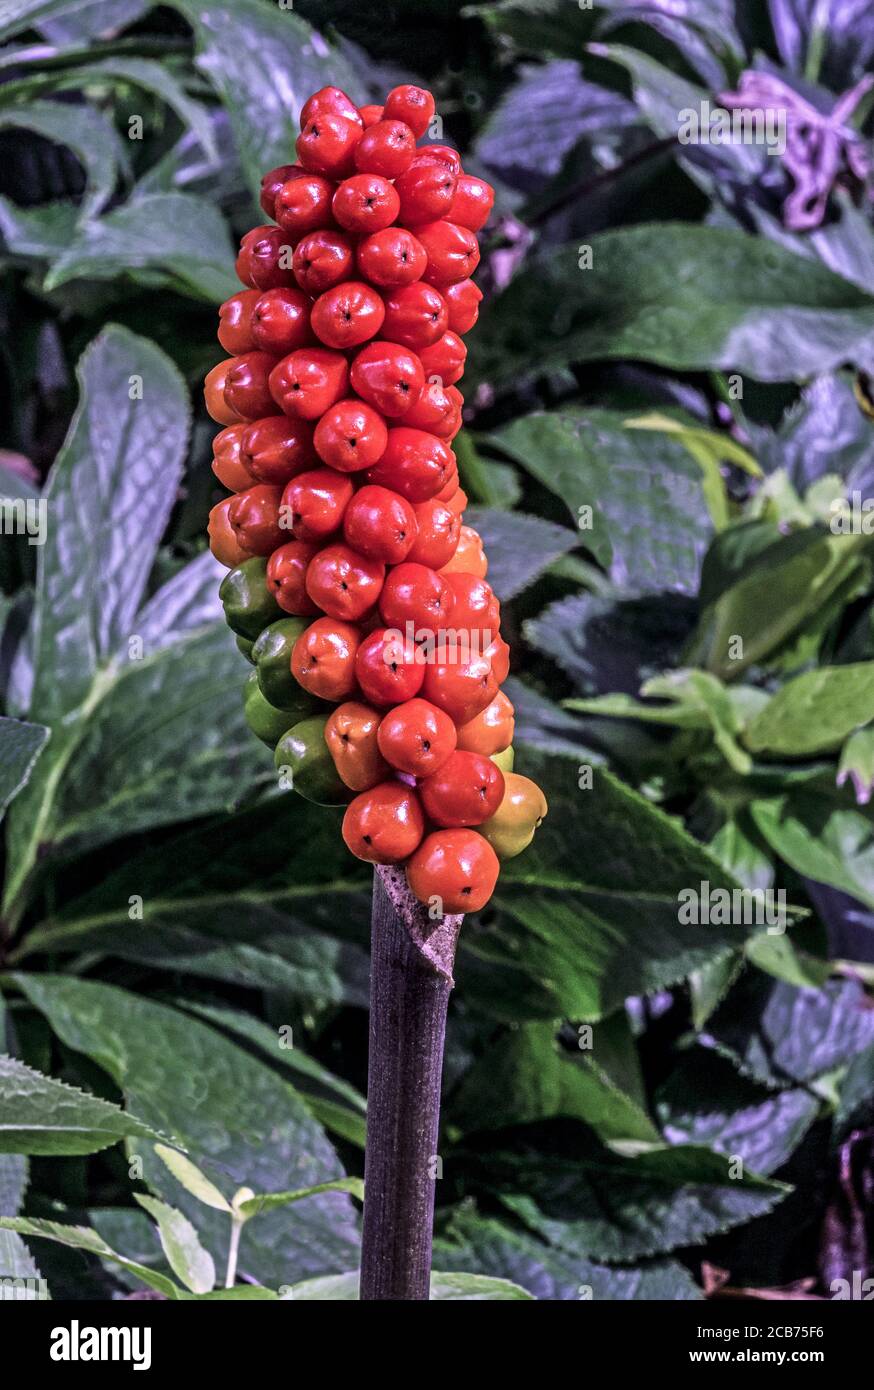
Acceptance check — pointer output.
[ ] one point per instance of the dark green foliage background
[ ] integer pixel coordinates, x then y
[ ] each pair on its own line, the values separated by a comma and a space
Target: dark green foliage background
665, 397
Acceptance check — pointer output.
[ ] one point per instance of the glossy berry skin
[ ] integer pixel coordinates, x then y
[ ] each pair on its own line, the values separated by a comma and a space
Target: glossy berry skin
452, 251
343, 583
458, 501
461, 688
392, 257
414, 463
332, 99
275, 449
235, 322
384, 825
322, 259
412, 105
387, 669
425, 192
365, 203
326, 144
387, 376
286, 577
466, 790
223, 539
457, 868
472, 204
228, 464
351, 735
281, 320
247, 389
370, 115
254, 518
386, 148
314, 503
303, 204
271, 183
438, 534
416, 737
434, 411
308, 382
491, 731
511, 828
439, 154
462, 303
379, 523
415, 594
351, 436
323, 660
444, 359
498, 656
415, 316
217, 407
469, 556
264, 261
347, 315
474, 604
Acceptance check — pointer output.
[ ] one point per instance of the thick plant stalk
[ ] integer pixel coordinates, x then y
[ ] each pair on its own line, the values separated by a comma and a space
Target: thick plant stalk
410, 981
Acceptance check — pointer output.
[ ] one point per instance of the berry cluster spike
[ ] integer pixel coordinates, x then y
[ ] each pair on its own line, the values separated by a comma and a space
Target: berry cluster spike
354, 587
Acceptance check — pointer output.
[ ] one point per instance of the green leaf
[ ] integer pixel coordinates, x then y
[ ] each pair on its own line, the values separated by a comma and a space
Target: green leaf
776, 955
719, 300
27, 14
815, 712
20, 746
647, 521
39, 1115
39, 233
13, 1183
710, 451
519, 547
444, 1286
185, 1254
263, 62
82, 1238
269, 1201
822, 834
192, 1179
486, 1246
857, 763
86, 131
709, 985
856, 1094
235, 1116
174, 241
17, 1262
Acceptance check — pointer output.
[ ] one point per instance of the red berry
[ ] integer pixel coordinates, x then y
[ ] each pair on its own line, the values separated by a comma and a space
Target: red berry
227, 463
281, 320
414, 463
365, 203
379, 523
388, 376
247, 389
439, 154
286, 577
326, 145
415, 315
323, 658
235, 322
434, 411
271, 184
498, 656
462, 687
370, 115
425, 192
385, 824
254, 518
387, 668
332, 99
350, 436
343, 583
214, 394
276, 449
410, 104
415, 594
452, 251
475, 606
472, 204
466, 790
416, 737
392, 257
438, 532
304, 204
313, 503
307, 382
445, 358
321, 260
347, 314
462, 300
386, 148
447, 493
455, 869
265, 258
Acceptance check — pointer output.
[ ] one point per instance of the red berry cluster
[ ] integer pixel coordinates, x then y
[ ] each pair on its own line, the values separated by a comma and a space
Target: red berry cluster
340, 405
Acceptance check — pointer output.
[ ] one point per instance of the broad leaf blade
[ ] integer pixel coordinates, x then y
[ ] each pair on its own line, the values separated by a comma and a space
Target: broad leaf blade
39, 1115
